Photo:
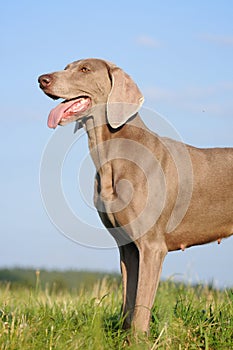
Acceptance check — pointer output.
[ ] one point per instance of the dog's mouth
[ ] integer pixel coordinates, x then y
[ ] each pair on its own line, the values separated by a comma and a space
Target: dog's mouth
68, 111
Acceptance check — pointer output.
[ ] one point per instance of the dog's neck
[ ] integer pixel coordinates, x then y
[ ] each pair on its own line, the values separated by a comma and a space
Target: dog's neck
100, 134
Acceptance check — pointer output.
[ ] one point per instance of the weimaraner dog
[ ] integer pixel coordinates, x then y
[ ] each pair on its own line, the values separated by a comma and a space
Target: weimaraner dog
153, 194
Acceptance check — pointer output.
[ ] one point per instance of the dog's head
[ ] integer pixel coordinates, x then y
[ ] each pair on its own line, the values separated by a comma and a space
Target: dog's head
86, 83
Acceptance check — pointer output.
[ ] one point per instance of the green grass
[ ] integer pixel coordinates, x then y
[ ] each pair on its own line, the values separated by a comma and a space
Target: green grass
183, 317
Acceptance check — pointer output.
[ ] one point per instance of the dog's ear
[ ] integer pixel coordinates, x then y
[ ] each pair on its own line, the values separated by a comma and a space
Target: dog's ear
125, 98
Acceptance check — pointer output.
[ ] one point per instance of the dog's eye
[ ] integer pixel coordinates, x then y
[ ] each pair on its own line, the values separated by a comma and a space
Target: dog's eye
85, 69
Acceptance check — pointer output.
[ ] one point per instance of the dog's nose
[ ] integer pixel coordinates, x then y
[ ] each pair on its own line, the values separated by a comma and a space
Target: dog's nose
45, 80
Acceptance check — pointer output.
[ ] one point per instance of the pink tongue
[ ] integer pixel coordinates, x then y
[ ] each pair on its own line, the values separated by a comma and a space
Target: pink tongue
56, 114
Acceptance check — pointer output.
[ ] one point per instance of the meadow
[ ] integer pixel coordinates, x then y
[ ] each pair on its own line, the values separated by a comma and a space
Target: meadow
80, 310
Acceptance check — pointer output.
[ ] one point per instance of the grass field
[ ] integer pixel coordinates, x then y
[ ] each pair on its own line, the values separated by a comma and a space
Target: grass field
46, 317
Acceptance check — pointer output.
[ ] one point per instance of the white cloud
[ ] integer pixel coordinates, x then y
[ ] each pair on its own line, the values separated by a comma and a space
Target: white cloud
191, 92
147, 41
218, 39
214, 99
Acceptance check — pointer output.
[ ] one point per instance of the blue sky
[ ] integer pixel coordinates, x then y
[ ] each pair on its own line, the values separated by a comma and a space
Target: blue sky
179, 53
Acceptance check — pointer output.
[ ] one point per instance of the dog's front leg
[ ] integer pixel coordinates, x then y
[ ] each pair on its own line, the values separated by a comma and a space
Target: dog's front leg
129, 256
150, 266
